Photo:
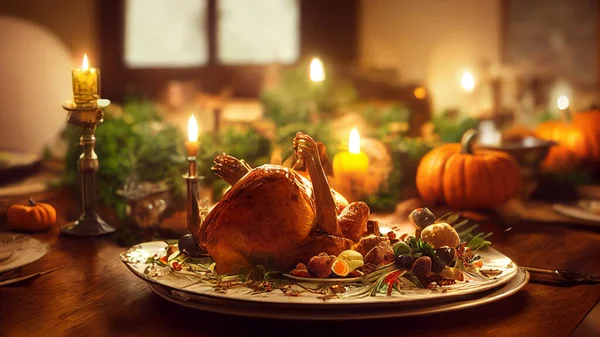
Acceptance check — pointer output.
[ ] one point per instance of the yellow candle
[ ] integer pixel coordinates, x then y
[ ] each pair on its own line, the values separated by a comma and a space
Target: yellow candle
351, 168
192, 144
85, 84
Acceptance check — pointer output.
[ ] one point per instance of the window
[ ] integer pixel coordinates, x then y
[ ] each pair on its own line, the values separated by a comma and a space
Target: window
217, 44
166, 34
162, 33
258, 31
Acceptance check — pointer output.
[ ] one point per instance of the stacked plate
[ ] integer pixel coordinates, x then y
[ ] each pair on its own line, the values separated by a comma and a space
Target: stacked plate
189, 289
585, 210
17, 250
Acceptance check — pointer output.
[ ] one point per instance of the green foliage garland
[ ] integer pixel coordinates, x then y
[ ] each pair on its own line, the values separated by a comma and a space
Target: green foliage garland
134, 140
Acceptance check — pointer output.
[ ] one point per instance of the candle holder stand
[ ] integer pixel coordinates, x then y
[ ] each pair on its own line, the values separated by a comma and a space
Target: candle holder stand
193, 202
189, 242
89, 223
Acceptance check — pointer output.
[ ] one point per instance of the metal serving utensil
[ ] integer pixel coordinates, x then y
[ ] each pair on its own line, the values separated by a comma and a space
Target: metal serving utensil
567, 276
30, 276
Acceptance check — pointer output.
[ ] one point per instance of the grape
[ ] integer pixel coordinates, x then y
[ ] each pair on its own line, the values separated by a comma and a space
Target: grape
187, 244
405, 261
447, 254
437, 265
401, 248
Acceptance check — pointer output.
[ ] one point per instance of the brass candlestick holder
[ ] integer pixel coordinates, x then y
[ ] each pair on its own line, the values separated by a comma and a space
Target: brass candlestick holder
189, 243
193, 202
88, 117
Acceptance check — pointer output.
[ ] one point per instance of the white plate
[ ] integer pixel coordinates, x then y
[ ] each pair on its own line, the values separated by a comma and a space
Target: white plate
135, 259
316, 312
576, 212
24, 249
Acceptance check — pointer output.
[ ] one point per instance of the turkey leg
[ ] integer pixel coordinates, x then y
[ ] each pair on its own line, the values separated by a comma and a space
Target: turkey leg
230, 168
353, 220
326, 215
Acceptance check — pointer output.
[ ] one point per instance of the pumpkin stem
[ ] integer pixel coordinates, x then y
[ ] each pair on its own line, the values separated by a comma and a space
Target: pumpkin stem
31, 202
467, 140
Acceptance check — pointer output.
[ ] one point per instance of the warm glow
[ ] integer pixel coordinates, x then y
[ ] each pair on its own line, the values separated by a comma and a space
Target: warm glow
468, 81
562, 102
529, 141
420, 92
317, 70
384, 230
354, 142
85, 64
192, 129
489, 134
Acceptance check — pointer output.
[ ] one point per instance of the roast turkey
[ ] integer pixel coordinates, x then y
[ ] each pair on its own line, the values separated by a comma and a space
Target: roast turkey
276, 217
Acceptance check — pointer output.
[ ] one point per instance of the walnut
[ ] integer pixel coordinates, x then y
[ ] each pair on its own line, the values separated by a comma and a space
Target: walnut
380, 255
369, 242
320, 265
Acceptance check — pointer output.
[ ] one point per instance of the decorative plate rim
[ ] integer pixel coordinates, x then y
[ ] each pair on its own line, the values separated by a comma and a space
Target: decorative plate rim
303, 313
345, 302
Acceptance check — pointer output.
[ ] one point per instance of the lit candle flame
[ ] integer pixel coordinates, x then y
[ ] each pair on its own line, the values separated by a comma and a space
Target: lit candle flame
85, 64
192, 129
562, 102
354, 142
317, 70
468, 81
420, 92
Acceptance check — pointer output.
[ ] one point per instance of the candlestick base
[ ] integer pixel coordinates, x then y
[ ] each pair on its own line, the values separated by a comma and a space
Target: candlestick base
88, 225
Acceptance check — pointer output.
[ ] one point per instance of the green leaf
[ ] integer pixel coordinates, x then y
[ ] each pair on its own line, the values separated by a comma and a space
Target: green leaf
467, 233
413, 279
460, 224
479, 242
443, 217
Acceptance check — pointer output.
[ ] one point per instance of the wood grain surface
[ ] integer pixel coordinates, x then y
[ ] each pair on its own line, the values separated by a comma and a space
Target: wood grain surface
95, 295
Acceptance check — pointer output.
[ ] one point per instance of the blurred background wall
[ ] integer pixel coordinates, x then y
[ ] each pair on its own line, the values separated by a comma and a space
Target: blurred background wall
431, 41
78, 32
525, 52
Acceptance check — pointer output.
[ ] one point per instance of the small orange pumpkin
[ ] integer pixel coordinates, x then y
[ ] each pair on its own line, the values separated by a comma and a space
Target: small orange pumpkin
33, 217
578, 138
456, 175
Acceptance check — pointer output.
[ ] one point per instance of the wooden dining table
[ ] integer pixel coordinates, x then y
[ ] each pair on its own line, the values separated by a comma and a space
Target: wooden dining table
94, 294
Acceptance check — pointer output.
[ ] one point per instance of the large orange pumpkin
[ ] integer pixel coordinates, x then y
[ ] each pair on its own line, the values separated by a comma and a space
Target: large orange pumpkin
578, 138
456, 175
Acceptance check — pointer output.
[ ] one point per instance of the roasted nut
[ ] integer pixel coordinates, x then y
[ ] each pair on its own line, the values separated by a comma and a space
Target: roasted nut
422, 267
300, 266
369, 242
320, 265
380, 255
337, 289
300, 272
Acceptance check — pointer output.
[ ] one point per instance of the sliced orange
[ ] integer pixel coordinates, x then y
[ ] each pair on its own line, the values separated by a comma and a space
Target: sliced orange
340, 268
